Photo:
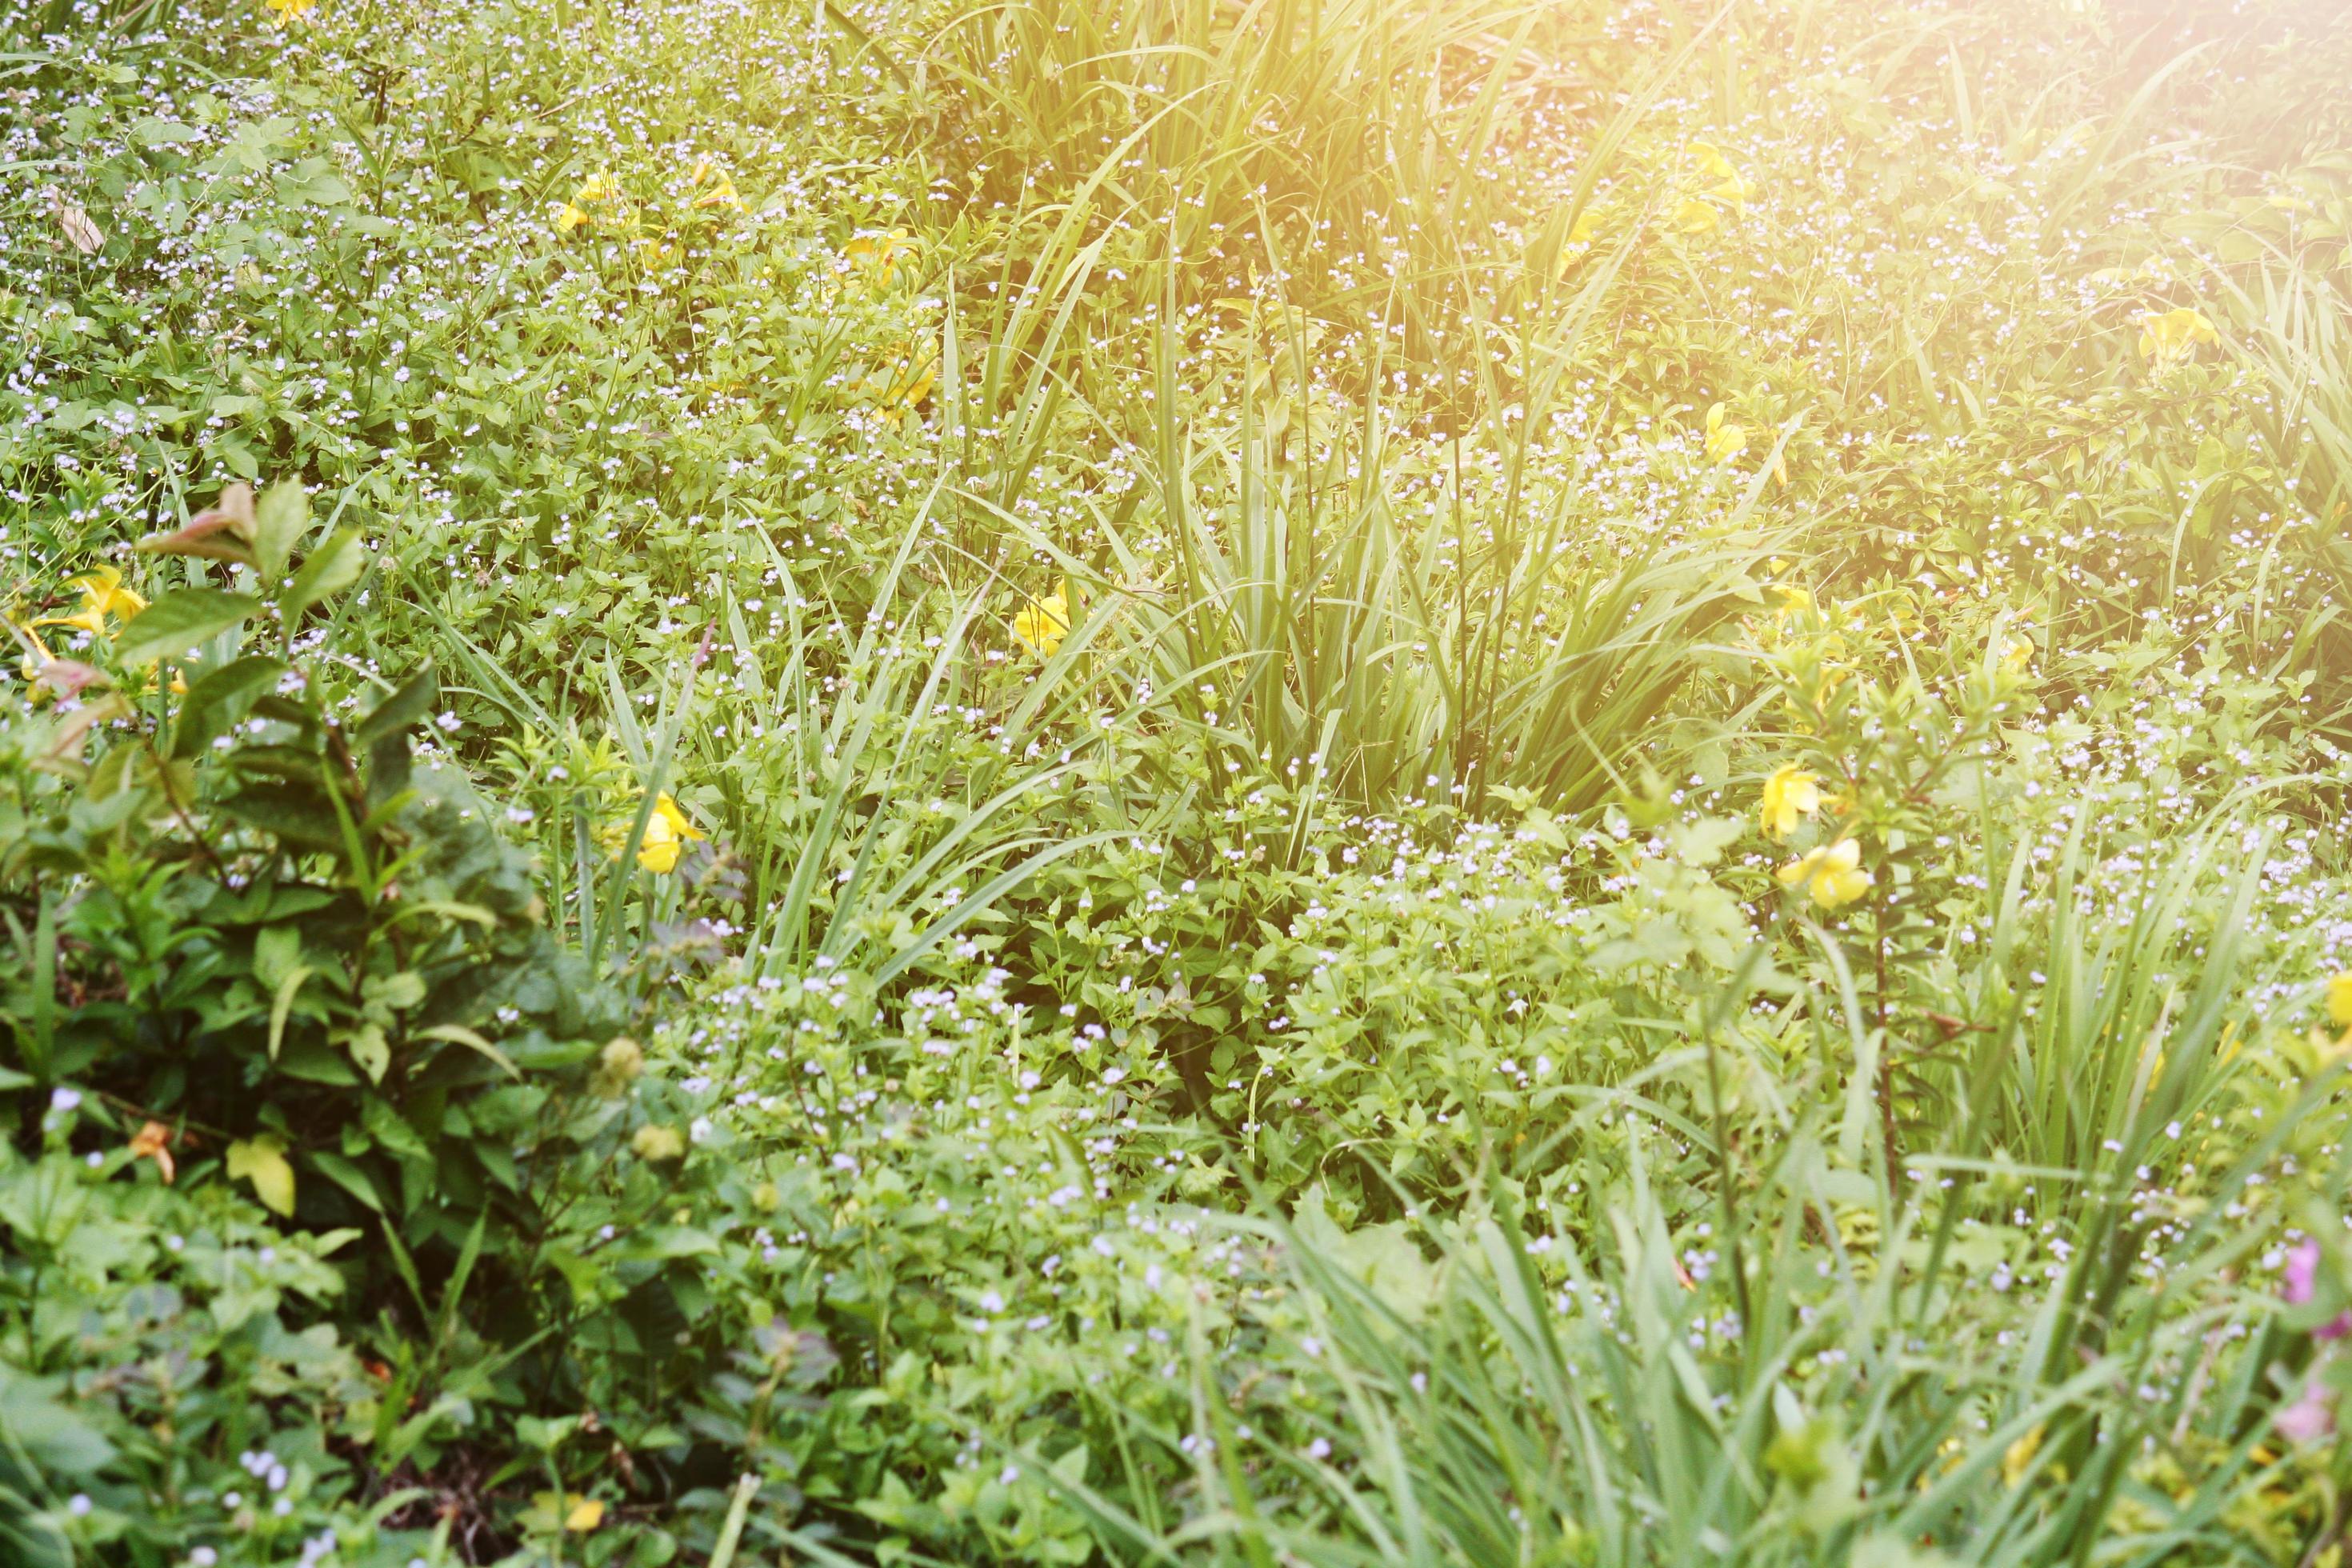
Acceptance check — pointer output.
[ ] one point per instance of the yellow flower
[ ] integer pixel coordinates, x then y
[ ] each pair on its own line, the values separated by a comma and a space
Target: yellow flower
2172, 335
722, 194
1724, 442
2339, 1001
1729, 185
1692, 215
283, 12
668, 831
895, 392
1832, 874
574, 1512
102, 595
2016, 653
569, 217
1789, 794
1794, 602
1043, 623
2018, 1459
878, 254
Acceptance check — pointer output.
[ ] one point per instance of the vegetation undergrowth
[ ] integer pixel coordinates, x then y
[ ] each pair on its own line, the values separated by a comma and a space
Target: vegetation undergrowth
1303, 783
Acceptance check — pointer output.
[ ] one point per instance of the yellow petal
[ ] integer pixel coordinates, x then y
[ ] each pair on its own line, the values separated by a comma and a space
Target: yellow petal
2339, 1001
586, 1514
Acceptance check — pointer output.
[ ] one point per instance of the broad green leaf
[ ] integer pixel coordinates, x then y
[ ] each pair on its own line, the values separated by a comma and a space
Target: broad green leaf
280, 518
178, 621
332, 568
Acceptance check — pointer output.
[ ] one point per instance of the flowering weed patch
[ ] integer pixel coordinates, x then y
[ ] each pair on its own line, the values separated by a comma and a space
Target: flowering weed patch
907, 782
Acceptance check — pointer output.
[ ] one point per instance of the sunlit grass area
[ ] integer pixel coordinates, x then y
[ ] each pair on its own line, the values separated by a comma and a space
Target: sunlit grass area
1321, 782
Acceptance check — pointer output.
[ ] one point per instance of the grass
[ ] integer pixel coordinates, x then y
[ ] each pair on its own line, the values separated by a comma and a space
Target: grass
1336, 783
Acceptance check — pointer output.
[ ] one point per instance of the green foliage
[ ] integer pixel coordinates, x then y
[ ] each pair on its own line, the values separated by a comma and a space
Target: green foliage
1314, 783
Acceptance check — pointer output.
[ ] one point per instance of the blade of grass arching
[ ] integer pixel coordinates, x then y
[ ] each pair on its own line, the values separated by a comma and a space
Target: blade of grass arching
882, 786
496, 685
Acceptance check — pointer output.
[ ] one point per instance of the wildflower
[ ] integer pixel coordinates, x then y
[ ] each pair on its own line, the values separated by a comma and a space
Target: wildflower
1790, 794
1794, 602
598, 189
722, 194
2339, 1000
2018, 1459
2309, 1419
1724, 442
153, 1141
878, 254
1729, 185
1831, 873
895, 393
668, 831
2016, 654
1043, 623
2169, 336
657, 1146
285, 11
102, 595
572, 1511
1692, 215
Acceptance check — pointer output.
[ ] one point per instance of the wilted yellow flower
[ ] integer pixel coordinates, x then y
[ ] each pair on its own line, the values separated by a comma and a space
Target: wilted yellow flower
657, 1144
153, 1141
1043, 623
1692, 215
2339, 1001
2171, 335
1790, 794
668, 831
1724, 441
1832, 874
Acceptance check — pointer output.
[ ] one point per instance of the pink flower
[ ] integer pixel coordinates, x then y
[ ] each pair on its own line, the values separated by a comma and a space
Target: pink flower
2301, 1273
2307, 1418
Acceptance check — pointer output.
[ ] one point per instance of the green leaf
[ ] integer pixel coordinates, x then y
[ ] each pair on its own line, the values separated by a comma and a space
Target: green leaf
178, 621
401, 710
280, 518
458, 1034
332, 568
370, 1051
262, 1161
282, 1004
216, 697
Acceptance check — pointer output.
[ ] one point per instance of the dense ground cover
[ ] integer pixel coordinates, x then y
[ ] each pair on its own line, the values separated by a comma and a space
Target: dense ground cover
1313, 783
